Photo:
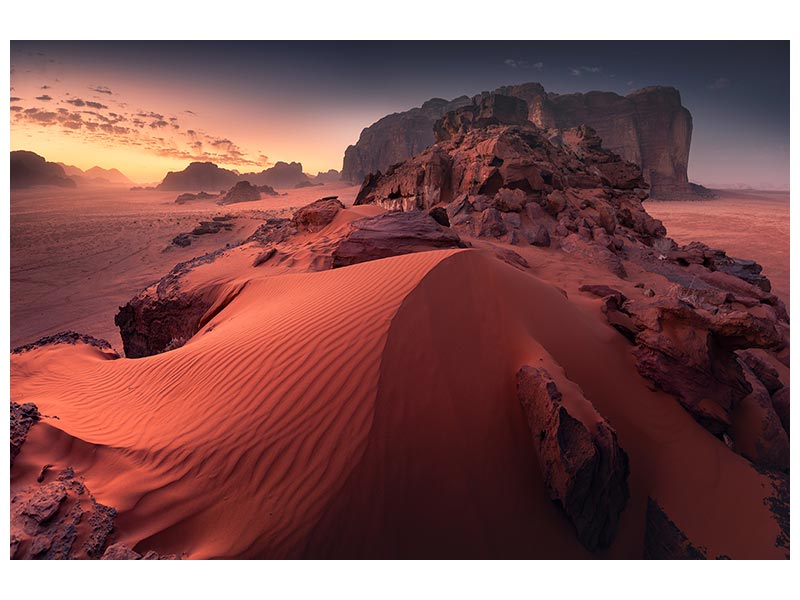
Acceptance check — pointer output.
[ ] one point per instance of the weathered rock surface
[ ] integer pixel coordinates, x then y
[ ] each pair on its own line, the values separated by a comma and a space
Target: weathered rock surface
318, 214
65, 337
23, 417
756, 430
243, 191
393, 234
122, 552
395, 138
59, 520
583, 465
648, 127
28, 169
162, 315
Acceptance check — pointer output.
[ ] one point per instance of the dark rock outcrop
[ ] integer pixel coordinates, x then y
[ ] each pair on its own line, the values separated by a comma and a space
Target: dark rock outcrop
59, 520
395, 138
318, 214
28, 169
23, 417
663, 540
583, 465
122, 552
65, 337
198, 176
280, 176
329, 176
243, 191
393, 234
648, 127
189, 197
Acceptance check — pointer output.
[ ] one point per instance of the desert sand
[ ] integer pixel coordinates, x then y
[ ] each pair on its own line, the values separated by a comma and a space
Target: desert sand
78, 254
365, 411
748, 224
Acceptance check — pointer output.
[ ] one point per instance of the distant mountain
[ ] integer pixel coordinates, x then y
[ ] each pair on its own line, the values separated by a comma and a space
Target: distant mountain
198, 176
29, 169
281, 175
96, 175
328, 176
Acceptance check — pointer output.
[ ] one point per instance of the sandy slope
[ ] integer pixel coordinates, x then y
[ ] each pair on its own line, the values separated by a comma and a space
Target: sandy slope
76, 255
370, 411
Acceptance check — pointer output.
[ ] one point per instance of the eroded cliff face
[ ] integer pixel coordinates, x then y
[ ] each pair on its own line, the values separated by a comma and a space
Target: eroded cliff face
648, 127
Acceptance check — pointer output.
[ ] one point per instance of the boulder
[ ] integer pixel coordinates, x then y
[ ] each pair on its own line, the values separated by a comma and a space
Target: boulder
393, 234
318, 214
243, 191
23, 417
583, 465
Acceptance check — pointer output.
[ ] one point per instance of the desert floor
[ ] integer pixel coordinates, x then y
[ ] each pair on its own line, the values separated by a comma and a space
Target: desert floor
77, 255
746, 224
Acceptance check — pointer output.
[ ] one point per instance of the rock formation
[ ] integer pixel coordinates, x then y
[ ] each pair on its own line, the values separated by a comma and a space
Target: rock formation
281, 175
243, 191
395, 137
520, 184
648, 127
29, 169
198, 176
59, 520
318, 214
329, 176
583, 465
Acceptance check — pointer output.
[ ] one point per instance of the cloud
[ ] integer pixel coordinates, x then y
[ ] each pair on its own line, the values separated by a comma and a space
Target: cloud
159, 123
89, 103
44, 98
578, 71
15, 99
523, 64
719, 84
45, 87
190, 112
101, 89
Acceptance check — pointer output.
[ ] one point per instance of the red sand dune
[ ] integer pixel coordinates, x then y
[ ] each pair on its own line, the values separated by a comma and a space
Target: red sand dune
370, 411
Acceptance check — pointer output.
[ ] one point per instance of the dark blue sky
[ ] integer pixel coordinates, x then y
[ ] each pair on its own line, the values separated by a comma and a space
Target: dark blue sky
738, 92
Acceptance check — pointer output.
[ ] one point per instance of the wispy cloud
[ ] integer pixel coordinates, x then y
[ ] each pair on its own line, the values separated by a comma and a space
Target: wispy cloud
523, 64
578, 71
147, 130
101, 89
719, 84
44, 98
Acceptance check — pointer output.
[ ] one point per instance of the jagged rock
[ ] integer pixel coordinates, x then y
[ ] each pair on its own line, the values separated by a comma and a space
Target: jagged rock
318, 214
765, 372
393, 234
492, 224
182, 240
243, 191
439, 215
122, 552
648, 127
66, 337
584, 467
663, 540
394, 138
757, 432
780, 402
162, 313
493, 109
59, 520
538, 236
23, 417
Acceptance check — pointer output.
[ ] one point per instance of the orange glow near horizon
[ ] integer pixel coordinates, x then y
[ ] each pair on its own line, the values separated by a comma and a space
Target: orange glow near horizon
147, 129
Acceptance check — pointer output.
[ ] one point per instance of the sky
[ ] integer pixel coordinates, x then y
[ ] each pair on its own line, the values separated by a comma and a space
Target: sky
151, 107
